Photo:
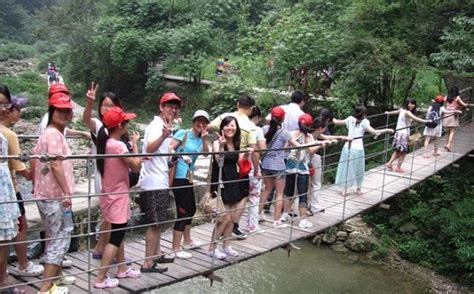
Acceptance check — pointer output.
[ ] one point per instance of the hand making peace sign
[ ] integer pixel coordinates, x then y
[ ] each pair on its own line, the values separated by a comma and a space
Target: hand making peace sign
92, 91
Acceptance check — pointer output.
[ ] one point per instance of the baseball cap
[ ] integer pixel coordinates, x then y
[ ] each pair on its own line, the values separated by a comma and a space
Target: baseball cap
115, 116
18, 102
170, 97
278, 112
306, 120
201, 113
60, 100
57, 88
439, 99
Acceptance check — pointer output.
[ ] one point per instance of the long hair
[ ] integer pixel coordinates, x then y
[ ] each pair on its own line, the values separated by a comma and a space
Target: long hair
274, 124
359, 113
102, 137
304, 129
410, 101
111, 96
326, 115
6, 92
51, 110
452, 94
236, 139
436, 107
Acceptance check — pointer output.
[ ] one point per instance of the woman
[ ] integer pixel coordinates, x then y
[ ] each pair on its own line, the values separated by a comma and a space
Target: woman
451, 121
188, 141
9, 212
53, 186
406, 114
115, 203
107, 101
351, 167
273, 162
228, 140
297, 167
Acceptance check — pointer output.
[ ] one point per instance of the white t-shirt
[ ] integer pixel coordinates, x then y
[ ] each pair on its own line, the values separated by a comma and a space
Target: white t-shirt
154, 172
292, 114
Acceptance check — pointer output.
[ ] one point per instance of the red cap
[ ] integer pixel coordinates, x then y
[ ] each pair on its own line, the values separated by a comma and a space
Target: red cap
60, 100
439, 99
57, 88
278, 112
170, 97
115, 116
306, 120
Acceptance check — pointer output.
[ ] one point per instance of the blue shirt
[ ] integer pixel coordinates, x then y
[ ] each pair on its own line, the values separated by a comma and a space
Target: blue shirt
192, 144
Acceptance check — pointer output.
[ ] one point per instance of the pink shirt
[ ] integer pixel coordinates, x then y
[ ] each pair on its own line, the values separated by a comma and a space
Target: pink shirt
45, 184
115, 207
455, 105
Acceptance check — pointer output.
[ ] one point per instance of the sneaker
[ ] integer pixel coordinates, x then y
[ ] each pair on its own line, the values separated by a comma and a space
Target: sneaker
66, 280
285, 217
56, 290
183, 255
32, 270
305, 224
217, 254
230, 252
239, 234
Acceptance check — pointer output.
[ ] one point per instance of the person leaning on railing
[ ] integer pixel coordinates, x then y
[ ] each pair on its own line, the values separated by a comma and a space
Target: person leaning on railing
9, 212
115, 204
351, 167
450, 121
53, 186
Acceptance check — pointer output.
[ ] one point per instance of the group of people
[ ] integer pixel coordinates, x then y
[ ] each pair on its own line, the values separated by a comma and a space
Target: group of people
286, 174
53, 74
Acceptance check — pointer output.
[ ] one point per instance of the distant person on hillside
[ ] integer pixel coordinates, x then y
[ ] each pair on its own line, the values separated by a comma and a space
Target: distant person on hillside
351, 167
7, 121
220, 67
227, 66
52, 74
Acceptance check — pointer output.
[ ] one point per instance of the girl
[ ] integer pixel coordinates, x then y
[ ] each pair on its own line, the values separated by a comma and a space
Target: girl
297, 166
432, 134
115, 207
273, 162
193, 140
9, 212
352, 173
107, 101
53, 186
400, 140
228, 140
451, 122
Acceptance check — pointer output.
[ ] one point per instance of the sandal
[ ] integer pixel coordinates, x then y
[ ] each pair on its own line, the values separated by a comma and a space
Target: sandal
129, 273
389, 167
32, 270
166, 258
155, 268
107, 283
400, 170
447, 148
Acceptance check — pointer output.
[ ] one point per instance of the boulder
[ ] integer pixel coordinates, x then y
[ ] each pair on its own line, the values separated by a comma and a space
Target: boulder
354, 224
317, 240
359, 242
329, 236
341, 236
339, 247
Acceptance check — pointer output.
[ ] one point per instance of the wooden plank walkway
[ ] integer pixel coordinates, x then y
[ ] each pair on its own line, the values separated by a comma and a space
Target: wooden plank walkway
379, 185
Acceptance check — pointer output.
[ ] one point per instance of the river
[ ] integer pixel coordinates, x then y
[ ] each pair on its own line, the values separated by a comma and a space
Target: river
309, 270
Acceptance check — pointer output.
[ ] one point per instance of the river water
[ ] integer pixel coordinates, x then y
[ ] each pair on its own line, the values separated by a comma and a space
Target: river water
309, 270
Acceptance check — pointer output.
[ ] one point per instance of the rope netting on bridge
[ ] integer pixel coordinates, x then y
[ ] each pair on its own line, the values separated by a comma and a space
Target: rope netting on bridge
379, 148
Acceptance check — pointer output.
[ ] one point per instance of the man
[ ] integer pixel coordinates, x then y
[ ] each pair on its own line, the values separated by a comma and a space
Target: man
154, 180
293, 111
25, 268
248, 139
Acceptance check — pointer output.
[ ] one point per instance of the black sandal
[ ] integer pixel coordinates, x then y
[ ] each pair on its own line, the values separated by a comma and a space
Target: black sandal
164, 259
154, 269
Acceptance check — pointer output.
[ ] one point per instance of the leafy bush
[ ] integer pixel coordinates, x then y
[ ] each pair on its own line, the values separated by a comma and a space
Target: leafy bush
29, 84
227, 93
13, 50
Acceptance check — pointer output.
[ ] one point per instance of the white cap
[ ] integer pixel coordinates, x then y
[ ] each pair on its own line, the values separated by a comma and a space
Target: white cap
202, 113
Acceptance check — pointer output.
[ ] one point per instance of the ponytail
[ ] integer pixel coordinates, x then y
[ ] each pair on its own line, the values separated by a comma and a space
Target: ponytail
274, 124
102, 137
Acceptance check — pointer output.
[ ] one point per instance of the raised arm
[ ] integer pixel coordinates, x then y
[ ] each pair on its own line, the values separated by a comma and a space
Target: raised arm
87, 114
393, 112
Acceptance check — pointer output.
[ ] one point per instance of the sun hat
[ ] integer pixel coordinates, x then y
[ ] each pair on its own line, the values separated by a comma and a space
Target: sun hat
439, 99
306, 120
60, 100
115, 116
170, 97
278, 112
201, 113
57, 88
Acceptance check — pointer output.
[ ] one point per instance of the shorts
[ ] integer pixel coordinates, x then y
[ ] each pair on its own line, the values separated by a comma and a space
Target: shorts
302, 185
277, 174
154, 204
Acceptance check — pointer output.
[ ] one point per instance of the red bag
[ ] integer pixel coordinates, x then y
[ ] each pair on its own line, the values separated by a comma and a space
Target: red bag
311, 170
245, 166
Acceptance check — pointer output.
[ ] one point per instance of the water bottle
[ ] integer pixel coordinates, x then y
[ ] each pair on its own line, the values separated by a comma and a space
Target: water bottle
68, 220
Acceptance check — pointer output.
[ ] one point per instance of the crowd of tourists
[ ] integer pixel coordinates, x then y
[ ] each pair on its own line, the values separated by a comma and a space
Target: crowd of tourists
239, 171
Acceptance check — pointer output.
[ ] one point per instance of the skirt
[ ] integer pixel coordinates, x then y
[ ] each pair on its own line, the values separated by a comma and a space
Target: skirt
451, 121
351, 168
400, 142
9, 212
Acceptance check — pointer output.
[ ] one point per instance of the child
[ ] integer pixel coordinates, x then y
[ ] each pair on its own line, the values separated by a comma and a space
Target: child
433, 129
400, 140
352, 173
115, 207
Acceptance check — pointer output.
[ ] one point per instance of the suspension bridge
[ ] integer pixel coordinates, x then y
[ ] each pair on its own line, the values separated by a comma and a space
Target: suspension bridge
379, 185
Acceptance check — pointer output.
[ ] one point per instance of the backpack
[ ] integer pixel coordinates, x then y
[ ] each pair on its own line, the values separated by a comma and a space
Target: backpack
433, 119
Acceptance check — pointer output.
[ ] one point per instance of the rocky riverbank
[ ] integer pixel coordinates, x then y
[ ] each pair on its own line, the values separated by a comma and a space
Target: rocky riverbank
357, 238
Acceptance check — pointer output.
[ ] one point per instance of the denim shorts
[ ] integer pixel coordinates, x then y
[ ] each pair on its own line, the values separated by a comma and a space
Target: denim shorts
276, 174
302, 185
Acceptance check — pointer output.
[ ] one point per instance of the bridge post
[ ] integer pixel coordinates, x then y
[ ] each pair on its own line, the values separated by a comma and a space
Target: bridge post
90, 168
413, 154
345, 183
384, 157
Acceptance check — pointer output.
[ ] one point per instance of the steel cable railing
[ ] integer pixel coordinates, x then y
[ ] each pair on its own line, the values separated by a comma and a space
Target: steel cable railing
89, 195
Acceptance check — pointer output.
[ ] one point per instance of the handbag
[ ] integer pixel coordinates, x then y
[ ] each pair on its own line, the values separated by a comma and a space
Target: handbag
245, 166
212, 207
173, 164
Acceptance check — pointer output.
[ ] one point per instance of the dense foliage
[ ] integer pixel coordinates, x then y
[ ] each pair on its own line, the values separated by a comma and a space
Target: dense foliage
433, 223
